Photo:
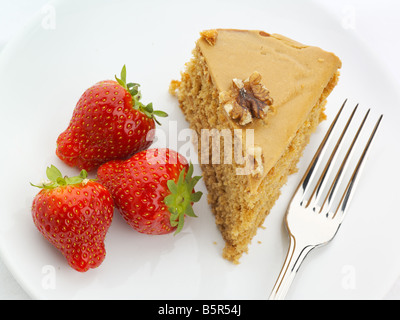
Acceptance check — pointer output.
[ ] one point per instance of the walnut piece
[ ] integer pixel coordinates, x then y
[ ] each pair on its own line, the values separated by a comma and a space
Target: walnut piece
236, 112
255, 156
247, 100
210, 36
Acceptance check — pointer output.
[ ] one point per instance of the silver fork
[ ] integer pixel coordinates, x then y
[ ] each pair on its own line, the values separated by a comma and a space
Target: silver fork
309, 223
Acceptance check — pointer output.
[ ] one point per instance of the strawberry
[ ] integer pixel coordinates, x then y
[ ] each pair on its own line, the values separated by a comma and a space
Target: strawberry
153, 190
74, 215
109, 122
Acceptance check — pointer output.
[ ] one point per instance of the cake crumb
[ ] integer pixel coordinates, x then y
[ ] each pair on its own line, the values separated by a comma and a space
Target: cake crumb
210, 36
259, 242
174, 86
215, 243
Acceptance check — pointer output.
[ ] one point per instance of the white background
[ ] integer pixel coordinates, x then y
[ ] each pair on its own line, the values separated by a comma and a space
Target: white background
375, 22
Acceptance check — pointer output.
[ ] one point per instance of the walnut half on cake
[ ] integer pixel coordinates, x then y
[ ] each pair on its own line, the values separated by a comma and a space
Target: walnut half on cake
263, 88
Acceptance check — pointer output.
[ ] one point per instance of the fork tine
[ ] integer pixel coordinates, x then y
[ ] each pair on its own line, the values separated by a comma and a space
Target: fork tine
344, 201
315, 162
332, 159
312, 230
343, 167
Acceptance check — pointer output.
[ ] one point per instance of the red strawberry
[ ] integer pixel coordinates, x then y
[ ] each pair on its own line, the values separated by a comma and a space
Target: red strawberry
153, 190
74, 215
109, 122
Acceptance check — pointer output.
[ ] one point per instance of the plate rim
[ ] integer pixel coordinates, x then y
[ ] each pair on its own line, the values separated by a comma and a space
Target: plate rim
23, 32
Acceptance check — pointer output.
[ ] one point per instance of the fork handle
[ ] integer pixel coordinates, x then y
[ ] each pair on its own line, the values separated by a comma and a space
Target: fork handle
295, 256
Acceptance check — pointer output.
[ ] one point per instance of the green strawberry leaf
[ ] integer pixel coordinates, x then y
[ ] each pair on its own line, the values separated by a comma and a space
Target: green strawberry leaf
149, 107
133, 89
44, 185
55, 179
53, 173
190, 212
72, 180
123, 74
61, 181
83, 174
122, 80
195, 197
172, 186
179, 202
159, 113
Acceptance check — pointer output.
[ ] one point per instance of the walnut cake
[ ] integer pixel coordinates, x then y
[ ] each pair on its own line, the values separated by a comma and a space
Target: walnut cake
257, 85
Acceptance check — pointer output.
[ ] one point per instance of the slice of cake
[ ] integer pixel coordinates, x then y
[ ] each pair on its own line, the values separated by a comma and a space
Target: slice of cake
253, 99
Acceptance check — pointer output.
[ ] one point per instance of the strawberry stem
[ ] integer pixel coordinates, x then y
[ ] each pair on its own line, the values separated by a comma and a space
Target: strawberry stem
133, 89
180, 201
55, 179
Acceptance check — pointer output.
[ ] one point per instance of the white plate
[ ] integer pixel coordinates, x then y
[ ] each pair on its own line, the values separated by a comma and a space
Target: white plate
73, 44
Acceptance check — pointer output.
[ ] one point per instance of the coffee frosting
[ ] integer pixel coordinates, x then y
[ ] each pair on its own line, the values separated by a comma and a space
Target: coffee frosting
295, 74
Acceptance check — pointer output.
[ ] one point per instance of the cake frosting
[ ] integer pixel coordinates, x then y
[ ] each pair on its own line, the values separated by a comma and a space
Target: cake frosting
258, 87
236, 54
